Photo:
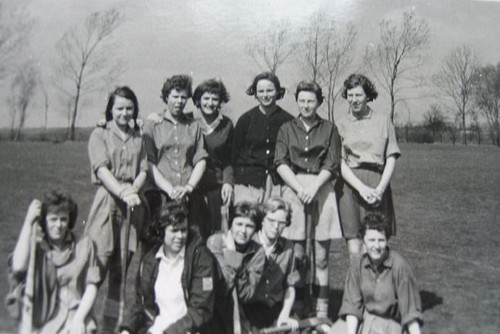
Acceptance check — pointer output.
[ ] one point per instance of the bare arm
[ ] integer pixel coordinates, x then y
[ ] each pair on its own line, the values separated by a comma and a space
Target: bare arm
290, 178
77, 325
352, 324
390, 165
125, 191
284, 317
368, 194
194, 179
160, 180
20, 258
414, 327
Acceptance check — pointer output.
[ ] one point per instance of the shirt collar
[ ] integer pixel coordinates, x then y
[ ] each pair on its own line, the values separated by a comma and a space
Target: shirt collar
205, 127
387, 263
168, 116
367, 116
160, 254
317, 121
114, 128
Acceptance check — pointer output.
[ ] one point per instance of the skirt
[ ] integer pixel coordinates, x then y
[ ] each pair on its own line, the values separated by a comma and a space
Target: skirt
353, 209
256, 195
325, 215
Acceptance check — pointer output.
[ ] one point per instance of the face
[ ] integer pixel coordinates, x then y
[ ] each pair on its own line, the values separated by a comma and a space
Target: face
308, 104
123, 111
209, 103
242, 230
175, 237
375, 244
266, 93
57, 225
274, 223
176, 101
357, 99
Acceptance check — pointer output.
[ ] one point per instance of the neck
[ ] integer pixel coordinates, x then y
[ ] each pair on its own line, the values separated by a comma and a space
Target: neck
362, 113
308, 121
122, 128
209, 118
268, 109
265, 240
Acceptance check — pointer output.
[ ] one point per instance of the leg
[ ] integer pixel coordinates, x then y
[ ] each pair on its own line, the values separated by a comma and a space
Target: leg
321, 277
354, 246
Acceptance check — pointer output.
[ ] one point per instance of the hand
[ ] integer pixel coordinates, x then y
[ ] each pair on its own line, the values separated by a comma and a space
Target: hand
179, 192
230, 241
155, 118
284, 320
34, 212
76, 326
132, 200
124, 332
307, 194
226, 193
369, 195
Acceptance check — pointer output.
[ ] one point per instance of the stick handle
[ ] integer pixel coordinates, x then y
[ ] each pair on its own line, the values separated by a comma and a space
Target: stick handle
303, 324
124, 262
26, 325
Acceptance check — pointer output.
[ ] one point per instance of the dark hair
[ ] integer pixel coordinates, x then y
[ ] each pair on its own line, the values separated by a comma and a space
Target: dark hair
309, 86
274, 204
252, 90
56, 201
247, 210
177, 82
374, 220
355, 80
171, 213
126, 93
212, 86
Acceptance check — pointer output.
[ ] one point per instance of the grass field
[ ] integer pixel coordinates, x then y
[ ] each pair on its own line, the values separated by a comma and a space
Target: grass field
447, 205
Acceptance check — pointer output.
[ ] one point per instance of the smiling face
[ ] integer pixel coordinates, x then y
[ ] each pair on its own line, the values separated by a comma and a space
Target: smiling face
123, 111
357, 99
274, 223
175, 237
266, 93
176, 101
242, 230
210, 103
375, 243
56, 225
308, 105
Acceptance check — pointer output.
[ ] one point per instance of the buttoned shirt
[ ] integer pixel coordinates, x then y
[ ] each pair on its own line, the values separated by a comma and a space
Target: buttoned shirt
254, 143
124, 157
175, 146
388, 291
368, 140
168, 291
308, 150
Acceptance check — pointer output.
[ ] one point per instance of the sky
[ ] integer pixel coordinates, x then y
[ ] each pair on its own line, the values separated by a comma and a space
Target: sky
207, 39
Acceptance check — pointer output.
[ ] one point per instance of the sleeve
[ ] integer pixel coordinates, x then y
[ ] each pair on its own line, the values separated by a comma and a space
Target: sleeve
229, 261
392, 143
240, 135
408, 295
97, 152
199, 150
133, 314
293, 277
149, 142
281, 152
143, 158
93, 275
201, 296
14, 297
249, 276
352, 301
332, 159
227, 165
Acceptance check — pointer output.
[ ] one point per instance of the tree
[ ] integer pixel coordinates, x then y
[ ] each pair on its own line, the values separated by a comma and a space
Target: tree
487, 98
274, 48
434, 121
397, 55
86, 60
326, 52
456, 80
22, 90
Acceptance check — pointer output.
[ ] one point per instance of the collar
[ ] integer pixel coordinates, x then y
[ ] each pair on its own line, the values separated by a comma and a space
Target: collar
367, 116
300, 123
168, 116
275, 111
60, 258
267, 249
205, 127
386, 263
111, 125
160, 254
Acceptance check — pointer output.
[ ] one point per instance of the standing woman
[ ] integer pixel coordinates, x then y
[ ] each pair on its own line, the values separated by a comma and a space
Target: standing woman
216, 185
307, 159
369, 153
254, 141
119, 166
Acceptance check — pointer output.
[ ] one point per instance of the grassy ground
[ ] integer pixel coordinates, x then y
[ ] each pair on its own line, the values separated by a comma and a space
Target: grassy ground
447, 203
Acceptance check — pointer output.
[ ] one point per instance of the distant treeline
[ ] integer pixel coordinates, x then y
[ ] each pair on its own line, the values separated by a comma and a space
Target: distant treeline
55, 135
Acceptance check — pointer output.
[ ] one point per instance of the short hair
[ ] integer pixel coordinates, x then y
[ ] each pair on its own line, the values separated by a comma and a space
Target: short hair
274, 204
212, 86
247, 210
125, 92
374, 220
56, 201
170, 214
178, 82
280, 91
355, 80
309, 86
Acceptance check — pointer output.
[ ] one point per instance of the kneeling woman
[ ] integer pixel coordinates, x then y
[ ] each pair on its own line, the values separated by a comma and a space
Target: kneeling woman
174, 282
380, 293
65, 271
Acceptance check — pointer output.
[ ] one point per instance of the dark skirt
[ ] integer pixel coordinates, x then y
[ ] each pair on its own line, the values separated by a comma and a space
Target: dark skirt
353, 209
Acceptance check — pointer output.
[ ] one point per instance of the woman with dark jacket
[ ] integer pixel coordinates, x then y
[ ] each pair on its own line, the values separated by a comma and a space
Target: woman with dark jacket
174, 283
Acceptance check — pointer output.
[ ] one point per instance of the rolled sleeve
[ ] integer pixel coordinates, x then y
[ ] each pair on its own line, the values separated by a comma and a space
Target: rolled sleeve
392, 143
281, 152
199, 153
408, 296
332, 160
352, 301
149, 142
97, 151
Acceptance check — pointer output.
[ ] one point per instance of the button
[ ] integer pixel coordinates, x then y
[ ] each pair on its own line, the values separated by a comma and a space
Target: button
306, 159
306, 149
267, 172
308, 170
176, 151
267, 140
307, 137
179, 174
176, 139
176, 163
267, 281
268, 152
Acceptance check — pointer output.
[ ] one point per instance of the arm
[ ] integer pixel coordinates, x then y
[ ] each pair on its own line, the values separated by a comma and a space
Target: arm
368, 194
414, 327
249, 276
77, 325
284, 317
352, 324
389, 167
312, 189
125, 191
20, 257
160, 180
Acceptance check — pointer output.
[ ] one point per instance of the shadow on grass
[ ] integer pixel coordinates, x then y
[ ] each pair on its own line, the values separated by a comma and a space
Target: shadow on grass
430, 300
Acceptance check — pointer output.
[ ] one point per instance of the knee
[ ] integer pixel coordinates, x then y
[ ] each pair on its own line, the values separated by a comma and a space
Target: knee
321, 262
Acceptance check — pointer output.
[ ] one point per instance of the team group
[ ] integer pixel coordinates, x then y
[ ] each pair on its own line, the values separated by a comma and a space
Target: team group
232, 224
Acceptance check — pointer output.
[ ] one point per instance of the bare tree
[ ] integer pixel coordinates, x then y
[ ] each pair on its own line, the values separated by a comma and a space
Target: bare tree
86, 60
22, 91
456, 80
326, 52
487, 98
434, 121
274, 48
397, 55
